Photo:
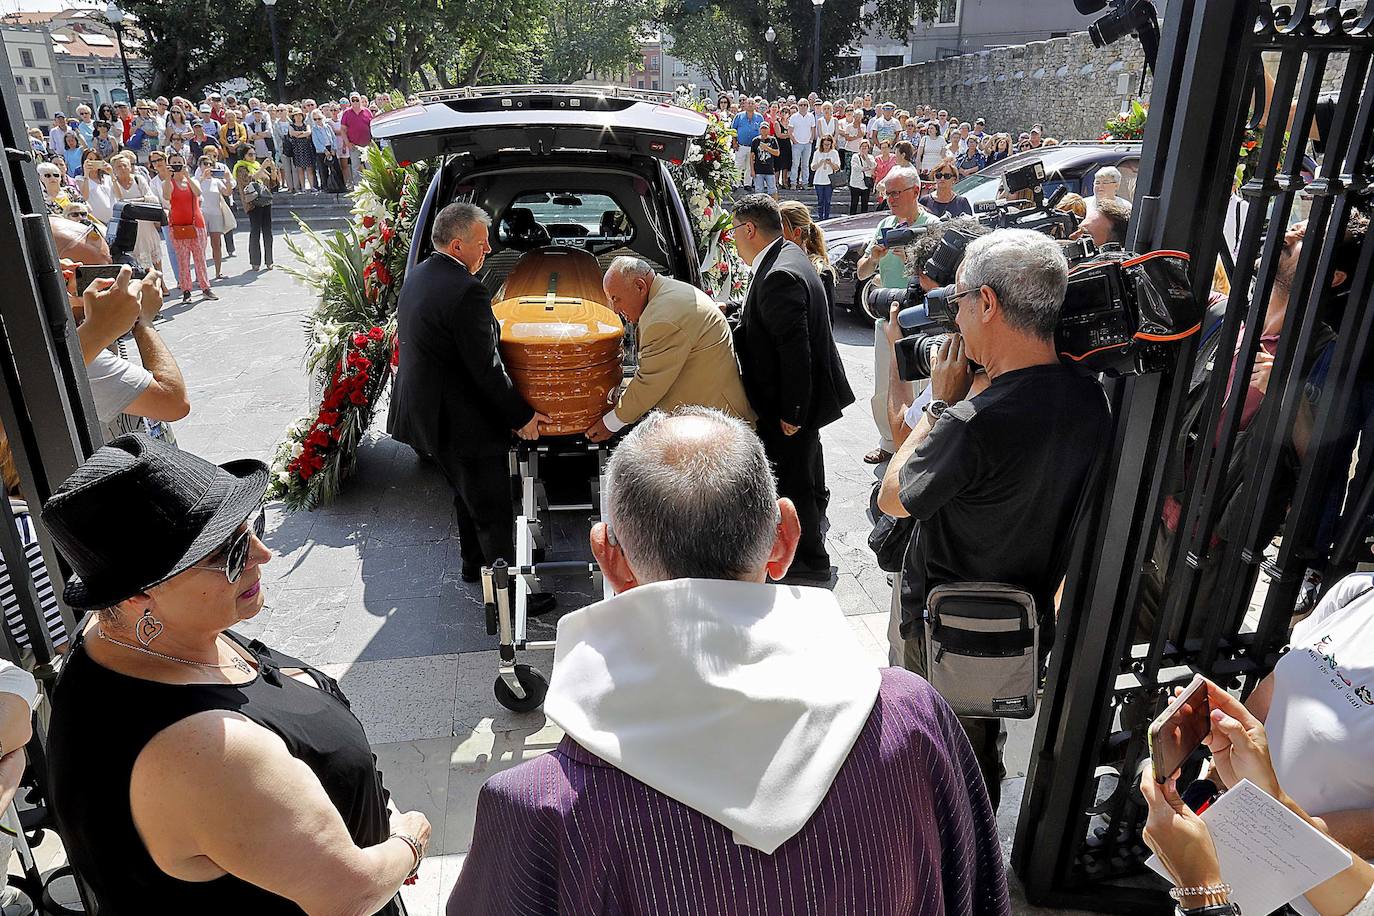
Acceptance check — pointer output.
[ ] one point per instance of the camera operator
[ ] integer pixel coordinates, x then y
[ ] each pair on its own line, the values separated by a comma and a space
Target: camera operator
903, 188
124, 393
994, 481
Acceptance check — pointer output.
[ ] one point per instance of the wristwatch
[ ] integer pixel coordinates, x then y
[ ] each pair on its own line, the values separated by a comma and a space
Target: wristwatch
935, 408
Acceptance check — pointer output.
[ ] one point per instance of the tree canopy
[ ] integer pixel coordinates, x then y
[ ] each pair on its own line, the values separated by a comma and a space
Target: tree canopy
707, 33
428, 44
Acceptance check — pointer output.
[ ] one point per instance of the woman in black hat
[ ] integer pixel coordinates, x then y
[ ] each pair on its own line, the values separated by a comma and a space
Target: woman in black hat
193, 771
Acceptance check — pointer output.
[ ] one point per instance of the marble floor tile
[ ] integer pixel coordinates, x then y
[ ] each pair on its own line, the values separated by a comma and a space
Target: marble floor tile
416, 773
401, 700
473, 699
477, 756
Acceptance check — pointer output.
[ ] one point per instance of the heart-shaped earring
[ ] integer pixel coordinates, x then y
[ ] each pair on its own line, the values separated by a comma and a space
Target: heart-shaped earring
147, 629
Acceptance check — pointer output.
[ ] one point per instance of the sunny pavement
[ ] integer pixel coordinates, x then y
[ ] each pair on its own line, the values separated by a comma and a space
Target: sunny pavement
368, 589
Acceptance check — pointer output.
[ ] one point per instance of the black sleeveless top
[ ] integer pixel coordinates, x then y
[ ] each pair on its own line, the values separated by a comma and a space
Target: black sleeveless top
102, 720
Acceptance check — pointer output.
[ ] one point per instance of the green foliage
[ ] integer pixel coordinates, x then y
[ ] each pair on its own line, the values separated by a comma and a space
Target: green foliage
1128, 126
593, 36
336, 47
707, 36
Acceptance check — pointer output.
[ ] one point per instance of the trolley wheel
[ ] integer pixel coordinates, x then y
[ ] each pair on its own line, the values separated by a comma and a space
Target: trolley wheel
535, 685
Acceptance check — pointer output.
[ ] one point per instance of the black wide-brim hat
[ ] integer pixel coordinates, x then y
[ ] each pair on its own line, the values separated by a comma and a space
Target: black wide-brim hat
139, 512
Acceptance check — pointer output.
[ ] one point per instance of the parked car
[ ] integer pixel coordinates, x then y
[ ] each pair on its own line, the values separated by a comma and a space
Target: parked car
1072, 164
584, 167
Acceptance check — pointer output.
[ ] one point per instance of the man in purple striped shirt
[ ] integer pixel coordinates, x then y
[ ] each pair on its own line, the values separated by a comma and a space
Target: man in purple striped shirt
729, 750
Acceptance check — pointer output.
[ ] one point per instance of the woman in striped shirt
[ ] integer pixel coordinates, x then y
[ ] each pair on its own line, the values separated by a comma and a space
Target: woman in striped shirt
38, 571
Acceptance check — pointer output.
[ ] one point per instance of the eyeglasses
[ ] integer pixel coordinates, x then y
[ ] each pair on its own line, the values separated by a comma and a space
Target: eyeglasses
236, 554
953, 300
893, 192
944, 175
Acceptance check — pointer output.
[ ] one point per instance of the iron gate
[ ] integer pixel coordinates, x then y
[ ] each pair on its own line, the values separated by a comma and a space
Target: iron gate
1180, 440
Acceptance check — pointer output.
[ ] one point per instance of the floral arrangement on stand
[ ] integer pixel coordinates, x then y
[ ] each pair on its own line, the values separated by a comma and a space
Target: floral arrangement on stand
1129, 125
356, 276
705, 180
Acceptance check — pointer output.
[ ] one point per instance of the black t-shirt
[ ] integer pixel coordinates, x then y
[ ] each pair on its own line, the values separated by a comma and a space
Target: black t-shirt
763, 158
959, 206
994, 486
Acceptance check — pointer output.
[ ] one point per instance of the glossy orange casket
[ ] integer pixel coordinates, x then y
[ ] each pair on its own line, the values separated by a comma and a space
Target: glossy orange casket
561, 345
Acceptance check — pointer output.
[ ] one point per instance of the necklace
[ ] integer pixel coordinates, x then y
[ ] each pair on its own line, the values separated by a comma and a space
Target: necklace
238, 663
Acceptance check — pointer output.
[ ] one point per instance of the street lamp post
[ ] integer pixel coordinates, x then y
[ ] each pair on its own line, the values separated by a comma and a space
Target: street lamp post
770, 36
277, 61
739, 74
115, 17
391, 53
816, 48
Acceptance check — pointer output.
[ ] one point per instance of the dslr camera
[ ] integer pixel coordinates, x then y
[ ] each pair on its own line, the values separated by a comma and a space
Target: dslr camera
122, 231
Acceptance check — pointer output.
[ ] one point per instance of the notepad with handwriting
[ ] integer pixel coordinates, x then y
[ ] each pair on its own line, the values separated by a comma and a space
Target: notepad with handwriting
1268, 854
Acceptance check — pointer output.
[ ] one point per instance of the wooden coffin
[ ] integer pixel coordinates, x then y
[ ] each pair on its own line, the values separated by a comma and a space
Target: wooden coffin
560, 343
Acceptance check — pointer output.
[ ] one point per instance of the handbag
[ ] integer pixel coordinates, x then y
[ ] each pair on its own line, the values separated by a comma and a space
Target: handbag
183, 232
226, 211
982, 648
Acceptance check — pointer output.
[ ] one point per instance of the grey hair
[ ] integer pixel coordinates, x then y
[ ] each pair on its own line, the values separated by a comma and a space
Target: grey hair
692, 496
631, 267
1028, 272
1110, 172
455, 220
903, 171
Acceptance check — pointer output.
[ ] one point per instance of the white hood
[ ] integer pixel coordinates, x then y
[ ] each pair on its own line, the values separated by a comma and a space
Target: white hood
738, 699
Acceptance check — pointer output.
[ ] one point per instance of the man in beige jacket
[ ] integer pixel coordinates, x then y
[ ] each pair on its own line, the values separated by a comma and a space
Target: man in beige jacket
686, 355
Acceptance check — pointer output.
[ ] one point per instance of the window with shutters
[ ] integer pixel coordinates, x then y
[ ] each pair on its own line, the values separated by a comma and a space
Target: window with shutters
25, 57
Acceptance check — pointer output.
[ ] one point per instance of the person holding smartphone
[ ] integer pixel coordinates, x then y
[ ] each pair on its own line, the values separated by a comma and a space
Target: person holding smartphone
181, 196
216, 188
1240, 750
125, 393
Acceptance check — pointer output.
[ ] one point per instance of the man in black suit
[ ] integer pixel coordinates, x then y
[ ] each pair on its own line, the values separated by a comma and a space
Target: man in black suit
453, 400
791, 369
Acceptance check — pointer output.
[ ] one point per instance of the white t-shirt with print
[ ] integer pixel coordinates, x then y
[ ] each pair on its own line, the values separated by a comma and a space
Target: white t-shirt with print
803, 127
1321, 717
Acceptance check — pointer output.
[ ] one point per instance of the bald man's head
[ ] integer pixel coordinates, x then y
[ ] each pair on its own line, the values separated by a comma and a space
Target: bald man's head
692, 496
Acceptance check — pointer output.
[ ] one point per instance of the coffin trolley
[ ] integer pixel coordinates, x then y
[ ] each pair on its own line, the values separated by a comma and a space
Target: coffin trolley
506, 589
564, 351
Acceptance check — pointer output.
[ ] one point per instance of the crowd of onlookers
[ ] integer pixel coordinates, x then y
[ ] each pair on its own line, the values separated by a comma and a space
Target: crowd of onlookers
211, 165
796, 143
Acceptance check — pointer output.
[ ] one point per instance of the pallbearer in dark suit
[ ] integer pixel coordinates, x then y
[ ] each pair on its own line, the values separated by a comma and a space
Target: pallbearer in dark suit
791, 369
453, 399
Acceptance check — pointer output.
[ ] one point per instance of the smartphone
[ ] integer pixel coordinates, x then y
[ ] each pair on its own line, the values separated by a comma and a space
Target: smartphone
86, 274
1180, 728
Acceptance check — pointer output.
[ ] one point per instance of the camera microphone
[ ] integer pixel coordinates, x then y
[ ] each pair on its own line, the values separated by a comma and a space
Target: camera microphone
1088, 7
1056, 197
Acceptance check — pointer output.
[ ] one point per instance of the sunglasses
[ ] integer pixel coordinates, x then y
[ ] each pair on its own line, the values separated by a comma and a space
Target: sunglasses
952, 299
940, 175
236, 553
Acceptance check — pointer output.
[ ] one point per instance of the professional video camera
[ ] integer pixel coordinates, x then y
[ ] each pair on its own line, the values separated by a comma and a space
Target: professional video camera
1039, 216
1121, 312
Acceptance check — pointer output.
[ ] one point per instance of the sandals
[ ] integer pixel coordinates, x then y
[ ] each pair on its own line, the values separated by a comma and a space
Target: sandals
208, 294
877, 456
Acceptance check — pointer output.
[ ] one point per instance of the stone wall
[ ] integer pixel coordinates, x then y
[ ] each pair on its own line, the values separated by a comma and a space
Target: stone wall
1065, 84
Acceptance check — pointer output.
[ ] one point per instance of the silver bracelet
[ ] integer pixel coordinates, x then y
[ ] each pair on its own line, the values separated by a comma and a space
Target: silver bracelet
1209, 890
415, 848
